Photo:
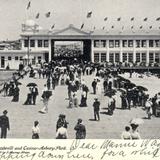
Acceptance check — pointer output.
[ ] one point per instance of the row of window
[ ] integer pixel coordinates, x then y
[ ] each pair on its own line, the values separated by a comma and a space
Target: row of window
126, 43
127, 57
16, 58
40, 43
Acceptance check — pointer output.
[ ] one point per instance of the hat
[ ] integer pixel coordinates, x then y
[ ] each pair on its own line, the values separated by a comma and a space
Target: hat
5, 112
62, 116
79, 120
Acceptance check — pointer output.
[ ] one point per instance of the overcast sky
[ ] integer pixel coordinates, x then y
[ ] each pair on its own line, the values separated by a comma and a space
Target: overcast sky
64, 12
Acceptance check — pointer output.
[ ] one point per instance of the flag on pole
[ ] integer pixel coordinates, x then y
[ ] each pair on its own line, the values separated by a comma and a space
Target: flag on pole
37, 16
82, 26
53, 26
118, 19
145, 19
141, 27
158, 19
29, 5
132, 19
48, 14
150, 27
105, 19
89, 14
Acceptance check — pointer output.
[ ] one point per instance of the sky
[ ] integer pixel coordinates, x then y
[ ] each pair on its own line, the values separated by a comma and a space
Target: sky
64, 12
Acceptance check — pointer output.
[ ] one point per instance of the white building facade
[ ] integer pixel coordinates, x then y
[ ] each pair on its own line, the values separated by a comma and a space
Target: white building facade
37, 45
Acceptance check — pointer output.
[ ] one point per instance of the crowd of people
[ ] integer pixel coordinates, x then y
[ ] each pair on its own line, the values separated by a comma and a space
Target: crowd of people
106, 82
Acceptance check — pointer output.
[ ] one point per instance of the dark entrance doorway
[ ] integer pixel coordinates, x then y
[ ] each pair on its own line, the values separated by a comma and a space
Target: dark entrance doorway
71, 49
2, 62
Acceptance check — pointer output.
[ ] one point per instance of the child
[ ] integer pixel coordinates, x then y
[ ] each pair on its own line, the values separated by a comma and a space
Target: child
126, 134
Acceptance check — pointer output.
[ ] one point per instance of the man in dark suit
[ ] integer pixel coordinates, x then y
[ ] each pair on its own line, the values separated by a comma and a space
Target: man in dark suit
34, 94
80, 130
96, 106
94, 85
4, 124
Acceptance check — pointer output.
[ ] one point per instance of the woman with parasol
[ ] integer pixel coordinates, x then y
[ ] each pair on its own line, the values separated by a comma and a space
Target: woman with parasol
29, 95
134, 123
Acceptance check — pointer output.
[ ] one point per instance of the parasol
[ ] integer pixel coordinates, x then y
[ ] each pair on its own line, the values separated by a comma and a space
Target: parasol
141, 88
136, 121
31, 84
130, 85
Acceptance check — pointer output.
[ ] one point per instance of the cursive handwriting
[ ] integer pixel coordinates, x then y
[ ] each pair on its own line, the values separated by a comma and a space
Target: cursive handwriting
45, 155
113, 153
16, 155
147, 152
110, 144
79, 144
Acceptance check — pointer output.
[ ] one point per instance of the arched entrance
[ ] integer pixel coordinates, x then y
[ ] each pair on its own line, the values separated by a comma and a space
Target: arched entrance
66, 49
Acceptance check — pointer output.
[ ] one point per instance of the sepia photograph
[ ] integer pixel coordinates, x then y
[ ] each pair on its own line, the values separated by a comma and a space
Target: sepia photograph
80, 69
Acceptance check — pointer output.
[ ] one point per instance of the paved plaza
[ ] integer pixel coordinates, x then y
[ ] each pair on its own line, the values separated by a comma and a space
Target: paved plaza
22, 116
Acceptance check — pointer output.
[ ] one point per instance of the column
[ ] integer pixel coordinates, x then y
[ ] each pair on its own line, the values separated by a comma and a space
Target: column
107, 44
36, 44
121, 51
49, 47
147, 54
22, 44
134, 51
92, 50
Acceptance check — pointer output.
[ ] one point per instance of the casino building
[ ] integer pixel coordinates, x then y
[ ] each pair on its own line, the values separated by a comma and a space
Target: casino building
126, 46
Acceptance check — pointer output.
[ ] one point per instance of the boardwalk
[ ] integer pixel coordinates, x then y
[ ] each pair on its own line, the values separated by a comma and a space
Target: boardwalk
22, 117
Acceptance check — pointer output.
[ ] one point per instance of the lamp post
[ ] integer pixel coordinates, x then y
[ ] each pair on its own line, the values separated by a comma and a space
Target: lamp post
28, 50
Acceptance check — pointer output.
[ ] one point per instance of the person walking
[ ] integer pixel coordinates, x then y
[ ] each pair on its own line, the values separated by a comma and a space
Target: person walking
83, 99
45, 98
62, 133
5, 88
16, 94
126, 135
75, 99
148, 106
80, 130
34, 94
61, 122
94, 86
4, 124
35, 130
96, 106
135, 134
29, 97
111, 105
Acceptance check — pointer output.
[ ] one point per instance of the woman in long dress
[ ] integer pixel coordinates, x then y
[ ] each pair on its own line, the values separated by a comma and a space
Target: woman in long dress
99, 89
45, 99
16, 94
35, 130
29, 97
135, 134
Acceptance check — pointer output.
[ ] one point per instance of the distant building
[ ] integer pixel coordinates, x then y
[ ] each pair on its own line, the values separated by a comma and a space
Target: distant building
125, 46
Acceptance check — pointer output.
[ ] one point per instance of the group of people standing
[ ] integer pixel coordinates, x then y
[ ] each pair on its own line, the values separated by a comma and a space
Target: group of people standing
12, 89
61, 129
32, 96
